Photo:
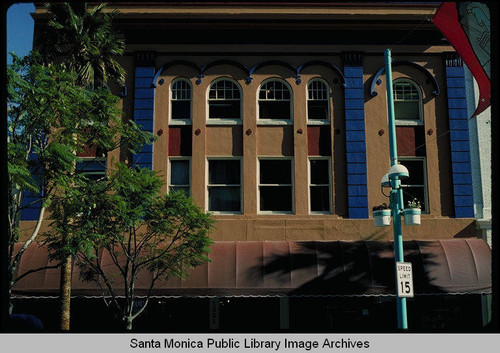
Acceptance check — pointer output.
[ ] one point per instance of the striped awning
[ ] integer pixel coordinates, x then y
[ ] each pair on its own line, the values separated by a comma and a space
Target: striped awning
316, 268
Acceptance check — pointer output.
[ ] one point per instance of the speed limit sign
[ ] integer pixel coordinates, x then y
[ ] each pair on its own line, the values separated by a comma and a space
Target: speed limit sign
404, 279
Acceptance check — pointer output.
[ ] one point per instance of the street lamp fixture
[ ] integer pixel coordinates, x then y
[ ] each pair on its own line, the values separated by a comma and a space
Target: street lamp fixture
397, 171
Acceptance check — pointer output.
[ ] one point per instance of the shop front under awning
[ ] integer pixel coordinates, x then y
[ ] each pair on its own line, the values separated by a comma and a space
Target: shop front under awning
315, 268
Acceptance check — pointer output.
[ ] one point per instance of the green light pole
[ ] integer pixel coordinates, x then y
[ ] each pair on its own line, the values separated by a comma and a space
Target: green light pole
396, 196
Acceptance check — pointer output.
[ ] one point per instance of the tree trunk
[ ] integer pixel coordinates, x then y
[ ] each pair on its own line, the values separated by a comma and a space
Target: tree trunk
129, 323
65, 294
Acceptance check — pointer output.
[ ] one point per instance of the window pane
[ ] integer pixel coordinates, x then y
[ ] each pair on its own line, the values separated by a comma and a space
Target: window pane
405, 91
224, 89
181, 110
225, 198
320, 198
274, 110
416, 171
319, 171
179, 172
276, 198
93, 169
406, 110
275, 171
317, 90
224, 109
224, 172
317, 110
181, 90
274, 90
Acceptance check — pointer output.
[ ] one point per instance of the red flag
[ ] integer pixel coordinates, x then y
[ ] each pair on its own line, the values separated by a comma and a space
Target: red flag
467, 27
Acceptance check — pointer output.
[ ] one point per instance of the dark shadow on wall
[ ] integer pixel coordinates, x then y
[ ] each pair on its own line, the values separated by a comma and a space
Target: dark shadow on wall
470, 231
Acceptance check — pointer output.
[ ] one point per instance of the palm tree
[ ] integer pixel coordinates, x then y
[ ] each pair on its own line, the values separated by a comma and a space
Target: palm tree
82, 40
85, 41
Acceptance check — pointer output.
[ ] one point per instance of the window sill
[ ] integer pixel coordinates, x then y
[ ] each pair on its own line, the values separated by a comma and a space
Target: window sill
180, 122
401, 122
224, 122
318, 122
224, 213
274, 122
275, 213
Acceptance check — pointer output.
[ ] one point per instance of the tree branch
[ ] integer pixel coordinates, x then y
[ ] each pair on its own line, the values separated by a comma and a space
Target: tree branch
35, 270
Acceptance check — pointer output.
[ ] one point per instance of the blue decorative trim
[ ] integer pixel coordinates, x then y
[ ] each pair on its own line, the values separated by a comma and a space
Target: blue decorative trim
144, 102
356, 146
142, 82
30, 202
357, 189
459, 141
460, 168
464, 212
356, 157
170, 64
200, 70
462, 178
356, 114
144, 71
323, 63
460, 146
377, 80
462, 189
358, 212
356, 168
227, 62
31, 207
355, 136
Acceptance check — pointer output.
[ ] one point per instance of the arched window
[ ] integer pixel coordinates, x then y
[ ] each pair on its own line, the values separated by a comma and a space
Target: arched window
224, 101
407, 102
275, 101
411, 139
180, 100
318, 98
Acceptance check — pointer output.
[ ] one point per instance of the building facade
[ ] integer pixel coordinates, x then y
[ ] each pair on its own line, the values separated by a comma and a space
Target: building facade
273, 117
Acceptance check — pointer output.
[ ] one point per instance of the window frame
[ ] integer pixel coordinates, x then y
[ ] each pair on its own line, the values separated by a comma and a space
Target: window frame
309, 184
292, 178
169, 174
171, 120
261, 121
425, 185
328, 100
208, 185
223, 121
409, 122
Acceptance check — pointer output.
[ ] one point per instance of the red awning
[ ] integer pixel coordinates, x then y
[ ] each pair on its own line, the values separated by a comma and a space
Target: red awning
320, 268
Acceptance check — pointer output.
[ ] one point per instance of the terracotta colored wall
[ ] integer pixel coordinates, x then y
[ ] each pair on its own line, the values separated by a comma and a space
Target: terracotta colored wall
300, 140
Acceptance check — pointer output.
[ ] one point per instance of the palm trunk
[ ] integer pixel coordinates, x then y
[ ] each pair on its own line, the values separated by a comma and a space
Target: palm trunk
65, 294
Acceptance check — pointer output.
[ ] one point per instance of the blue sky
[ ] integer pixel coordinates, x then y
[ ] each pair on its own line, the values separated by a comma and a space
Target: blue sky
19, 29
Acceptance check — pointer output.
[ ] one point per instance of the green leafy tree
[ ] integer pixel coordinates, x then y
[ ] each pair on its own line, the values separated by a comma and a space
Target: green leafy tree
84, 41
50, 120
141, 229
